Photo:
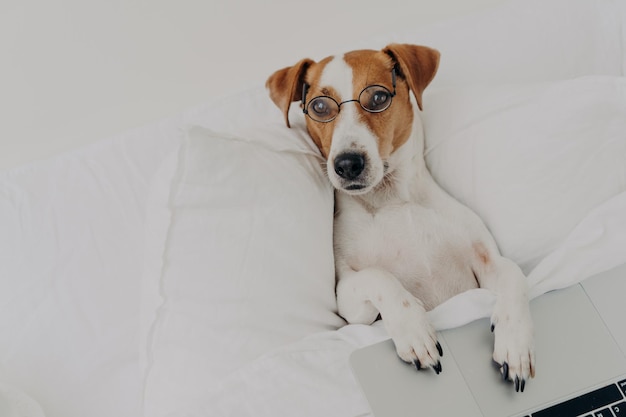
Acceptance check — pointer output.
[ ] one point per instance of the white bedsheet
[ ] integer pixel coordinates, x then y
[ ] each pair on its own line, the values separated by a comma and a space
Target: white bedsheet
71, 242
72, 235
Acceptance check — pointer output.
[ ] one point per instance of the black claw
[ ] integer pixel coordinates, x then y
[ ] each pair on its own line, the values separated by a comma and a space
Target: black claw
439, 349
505, 371
437, 367
516, 383
493, 326
523, 385
417, 364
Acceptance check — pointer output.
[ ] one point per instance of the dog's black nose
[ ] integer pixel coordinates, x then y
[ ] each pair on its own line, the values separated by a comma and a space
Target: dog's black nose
349, 165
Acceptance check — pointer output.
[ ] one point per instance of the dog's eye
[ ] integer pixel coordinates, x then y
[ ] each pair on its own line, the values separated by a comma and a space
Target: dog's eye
380, 98
323, 109
320, 107
375, 98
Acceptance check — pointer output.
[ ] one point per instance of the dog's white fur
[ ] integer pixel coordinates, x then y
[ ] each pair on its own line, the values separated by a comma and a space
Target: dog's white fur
347, 128
402, 244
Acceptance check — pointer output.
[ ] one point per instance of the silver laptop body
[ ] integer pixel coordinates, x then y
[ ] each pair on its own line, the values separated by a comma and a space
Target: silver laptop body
580, 338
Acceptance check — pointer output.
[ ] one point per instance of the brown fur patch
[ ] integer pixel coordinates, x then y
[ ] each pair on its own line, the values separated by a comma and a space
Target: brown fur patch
321, 133
480, 250
393, 126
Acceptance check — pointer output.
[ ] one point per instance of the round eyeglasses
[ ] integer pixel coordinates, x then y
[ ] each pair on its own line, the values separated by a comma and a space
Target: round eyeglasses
373, 99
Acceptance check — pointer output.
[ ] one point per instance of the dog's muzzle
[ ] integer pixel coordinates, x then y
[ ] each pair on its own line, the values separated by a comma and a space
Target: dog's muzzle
350, 168
349, 165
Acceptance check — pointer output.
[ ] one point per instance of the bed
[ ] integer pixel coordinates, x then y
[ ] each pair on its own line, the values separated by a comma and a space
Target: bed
185, 268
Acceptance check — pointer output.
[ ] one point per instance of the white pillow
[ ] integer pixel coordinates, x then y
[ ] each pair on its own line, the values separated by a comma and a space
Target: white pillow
71, 239
531, 159
248, 263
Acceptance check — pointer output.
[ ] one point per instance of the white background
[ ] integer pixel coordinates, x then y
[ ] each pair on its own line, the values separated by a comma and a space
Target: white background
75, 71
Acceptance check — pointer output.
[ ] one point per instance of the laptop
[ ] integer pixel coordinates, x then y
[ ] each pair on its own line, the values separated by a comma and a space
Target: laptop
580, 345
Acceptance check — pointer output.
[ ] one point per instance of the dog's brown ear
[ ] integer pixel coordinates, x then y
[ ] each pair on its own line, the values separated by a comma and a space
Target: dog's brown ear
418, 64
285, 85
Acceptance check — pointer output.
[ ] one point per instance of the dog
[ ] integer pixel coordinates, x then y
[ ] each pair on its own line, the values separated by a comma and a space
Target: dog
402, 245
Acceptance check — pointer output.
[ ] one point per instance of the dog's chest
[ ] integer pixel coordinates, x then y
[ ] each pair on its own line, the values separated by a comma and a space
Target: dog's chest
396, 234
423, 247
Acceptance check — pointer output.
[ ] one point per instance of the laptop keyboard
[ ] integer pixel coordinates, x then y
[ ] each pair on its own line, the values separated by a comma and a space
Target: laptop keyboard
608, 401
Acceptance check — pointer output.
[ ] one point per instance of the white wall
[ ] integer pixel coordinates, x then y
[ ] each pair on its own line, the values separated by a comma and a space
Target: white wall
75, 71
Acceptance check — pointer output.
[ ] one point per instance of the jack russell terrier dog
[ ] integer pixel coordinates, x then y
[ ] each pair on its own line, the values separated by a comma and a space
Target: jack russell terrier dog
402, 244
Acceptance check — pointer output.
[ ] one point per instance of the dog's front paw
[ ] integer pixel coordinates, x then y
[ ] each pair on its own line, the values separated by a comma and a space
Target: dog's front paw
514, 349
414, 337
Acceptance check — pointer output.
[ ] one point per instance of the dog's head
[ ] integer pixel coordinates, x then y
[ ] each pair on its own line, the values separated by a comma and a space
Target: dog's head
359, 107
